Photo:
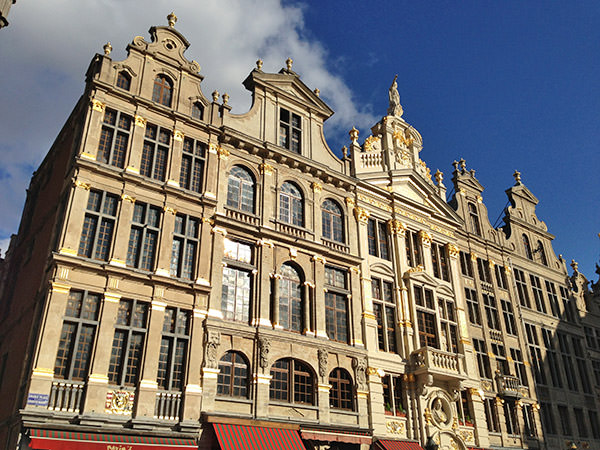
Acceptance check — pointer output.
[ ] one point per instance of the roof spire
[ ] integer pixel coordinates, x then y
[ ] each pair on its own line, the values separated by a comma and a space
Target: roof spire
517, 176
172, 19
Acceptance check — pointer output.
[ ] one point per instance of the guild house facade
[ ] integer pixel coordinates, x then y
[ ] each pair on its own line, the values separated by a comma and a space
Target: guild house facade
185, 277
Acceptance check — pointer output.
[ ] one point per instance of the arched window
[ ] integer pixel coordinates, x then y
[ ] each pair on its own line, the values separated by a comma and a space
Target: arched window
291, 205
233, 375
333, 225
124, 80
340, 395
292, 381
240, 190
527, 247
542, 252
290, 299
163, 90
474, 218
198, 111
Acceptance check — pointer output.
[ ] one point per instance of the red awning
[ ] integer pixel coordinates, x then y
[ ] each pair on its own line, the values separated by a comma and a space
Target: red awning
349, 437
67, 440
240, 437
387, 444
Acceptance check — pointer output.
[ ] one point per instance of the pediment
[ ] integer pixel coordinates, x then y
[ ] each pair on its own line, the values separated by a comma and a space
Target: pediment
288, 84
522, 191
382, 269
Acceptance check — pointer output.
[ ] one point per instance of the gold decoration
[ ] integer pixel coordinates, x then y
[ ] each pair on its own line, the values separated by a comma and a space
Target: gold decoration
172, 19
403, 138
486, 385
425, 168
81, 184
222, 152
288, 63
128, 198
221, 231
369, 142
317, 187
140, 121
266, 169
362, 215
427, 415
107, 49
170, 210
97, 105
353, 134
215, 96
317, 92
416, 269
425, 238
397, 227
225, 98
119, 402
453, 250
178, 135
259, 64
319, 258
350, 202
394, 427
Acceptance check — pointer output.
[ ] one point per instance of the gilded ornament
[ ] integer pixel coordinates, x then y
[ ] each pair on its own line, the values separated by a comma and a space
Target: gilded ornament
288, 63
97, 105
107, 49
170, 210
81, 184
427, 415
394, 427
140, 121
265, 168
259, 64
350, 202
416, 269
178, 135
353, 134
397, 227
403, 138
215, 96
172, 19
119, 402
317, 187
369, 142
425, 237
222, 152
317, 92
362, 215
453, 250
225, 98
128, 198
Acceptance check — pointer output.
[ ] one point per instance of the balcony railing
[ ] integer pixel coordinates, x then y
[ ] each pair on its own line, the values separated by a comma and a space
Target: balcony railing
371, 159
66, 396
439, 362
508, 385
290, 230
168, 405
335, 245
241, 216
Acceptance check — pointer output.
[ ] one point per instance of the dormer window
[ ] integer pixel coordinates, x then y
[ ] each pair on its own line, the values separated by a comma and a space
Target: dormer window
198, 111
163, 90
124, 80
527, 247
474, 218
290, 130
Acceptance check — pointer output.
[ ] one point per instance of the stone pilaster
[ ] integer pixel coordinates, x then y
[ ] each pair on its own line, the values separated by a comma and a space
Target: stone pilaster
269, 194
218, 240
193, 391
137, 143
176, 156
95, 118
323, 402
262, 311
122, 232
355, 301
163, 261
74, 221
320, 324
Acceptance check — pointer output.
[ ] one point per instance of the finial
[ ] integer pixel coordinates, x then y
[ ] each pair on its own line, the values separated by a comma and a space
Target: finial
225, 98
463, 165
259, 64
172, 18
317, 92
288, 63
439, 176
107, 48
472, 172
574, 265
215, 96
353, 135
517, 176
395, 108
345, 151
455, 165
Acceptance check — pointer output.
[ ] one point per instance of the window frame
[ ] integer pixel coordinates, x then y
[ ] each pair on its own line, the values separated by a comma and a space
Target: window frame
236, 380
294, 213
341, 394
91, 243
123, 75
162, 91
439, 259
142, 252
245, 200
182, 264
293, 373
290, 132
333, 222
337, 319
384, 305
115, 136
174, 336
239, 265
154, 163
193, 165
294, 287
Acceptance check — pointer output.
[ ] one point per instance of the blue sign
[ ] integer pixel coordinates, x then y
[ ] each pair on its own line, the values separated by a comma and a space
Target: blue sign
37, 399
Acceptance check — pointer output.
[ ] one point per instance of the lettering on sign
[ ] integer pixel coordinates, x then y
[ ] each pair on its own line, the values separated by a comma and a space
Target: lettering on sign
35, 399
119, 447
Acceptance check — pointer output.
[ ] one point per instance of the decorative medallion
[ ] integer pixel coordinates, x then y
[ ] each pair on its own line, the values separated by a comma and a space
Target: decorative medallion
119, 402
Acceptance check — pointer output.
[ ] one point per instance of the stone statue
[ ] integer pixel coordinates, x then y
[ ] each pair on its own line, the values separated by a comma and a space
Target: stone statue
395, 108
213, 339
323, 355
264, 346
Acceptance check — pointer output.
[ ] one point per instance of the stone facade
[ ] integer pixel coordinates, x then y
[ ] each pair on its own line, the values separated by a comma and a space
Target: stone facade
178, 266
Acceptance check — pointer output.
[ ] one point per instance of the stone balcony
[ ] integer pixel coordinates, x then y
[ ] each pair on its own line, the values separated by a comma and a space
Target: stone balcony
439, 363
508, 386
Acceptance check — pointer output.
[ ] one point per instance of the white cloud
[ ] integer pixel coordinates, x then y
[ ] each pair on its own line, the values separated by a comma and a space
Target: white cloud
48, 46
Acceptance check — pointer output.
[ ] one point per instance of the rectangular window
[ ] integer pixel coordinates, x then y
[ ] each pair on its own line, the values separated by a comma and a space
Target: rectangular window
483, 269
551, 358
491, 415
98, 226
529, 429
547, 416
522, 288
128, 343
580, 421
77, 336
114, 137
569, 311
501, 277
590, 337
413, 249
155, 153
143, 239
483, 360
378, 239
193, 161
552, 298
473, 306
535, 353
580, 358
501, 362
563, 413
596, 368
384, 307
426, 320
595, 426
185, 247
520, 371
491, 312
510, 416
173, 349
336, 305
393, 398
290, 130
538, 294
509, 317
448, 325
237, 284
568, 363
466, 264
440, 262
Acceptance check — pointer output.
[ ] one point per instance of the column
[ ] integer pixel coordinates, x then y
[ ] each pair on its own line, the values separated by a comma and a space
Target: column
355, 301
362, 217
213, 168
308, 294
261, 312
176, 155
214, 301
323, 402
204, 253
275, 277
146, 396
43, 372
95, 117
137, 144
163, 263
74, 221
317, 189
210, 369
269, 190
98, 379
193, 391
319, 303
425, 243
119, 250
481, 430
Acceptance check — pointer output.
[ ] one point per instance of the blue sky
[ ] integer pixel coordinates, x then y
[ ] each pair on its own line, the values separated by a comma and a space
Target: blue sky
505, 85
